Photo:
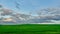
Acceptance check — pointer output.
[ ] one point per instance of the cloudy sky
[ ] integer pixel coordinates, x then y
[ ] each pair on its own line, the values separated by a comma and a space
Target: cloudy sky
29, 5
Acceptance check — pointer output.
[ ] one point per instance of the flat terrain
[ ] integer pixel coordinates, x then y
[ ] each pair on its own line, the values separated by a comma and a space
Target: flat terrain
30, 29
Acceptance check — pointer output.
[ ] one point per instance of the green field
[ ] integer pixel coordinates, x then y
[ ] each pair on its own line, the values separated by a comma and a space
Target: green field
30, 29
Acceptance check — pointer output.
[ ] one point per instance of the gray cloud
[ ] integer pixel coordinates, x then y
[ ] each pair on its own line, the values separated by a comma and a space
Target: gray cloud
48, 14
45, 16
6, 12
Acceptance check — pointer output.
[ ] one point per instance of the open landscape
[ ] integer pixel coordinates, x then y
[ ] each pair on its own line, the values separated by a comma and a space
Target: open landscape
29, 16
30, 29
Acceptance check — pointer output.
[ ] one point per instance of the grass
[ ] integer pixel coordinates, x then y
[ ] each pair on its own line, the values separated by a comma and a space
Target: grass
30, 29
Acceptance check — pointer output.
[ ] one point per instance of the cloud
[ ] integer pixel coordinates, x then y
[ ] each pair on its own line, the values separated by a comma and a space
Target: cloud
6, 12
48, 14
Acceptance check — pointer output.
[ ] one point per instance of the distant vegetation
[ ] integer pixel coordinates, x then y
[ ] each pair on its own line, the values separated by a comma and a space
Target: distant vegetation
30, 29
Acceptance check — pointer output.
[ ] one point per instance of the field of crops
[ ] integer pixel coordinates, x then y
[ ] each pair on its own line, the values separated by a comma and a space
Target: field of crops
30, 29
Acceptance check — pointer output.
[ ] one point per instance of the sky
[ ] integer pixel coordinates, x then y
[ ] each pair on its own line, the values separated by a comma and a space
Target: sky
27, 6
